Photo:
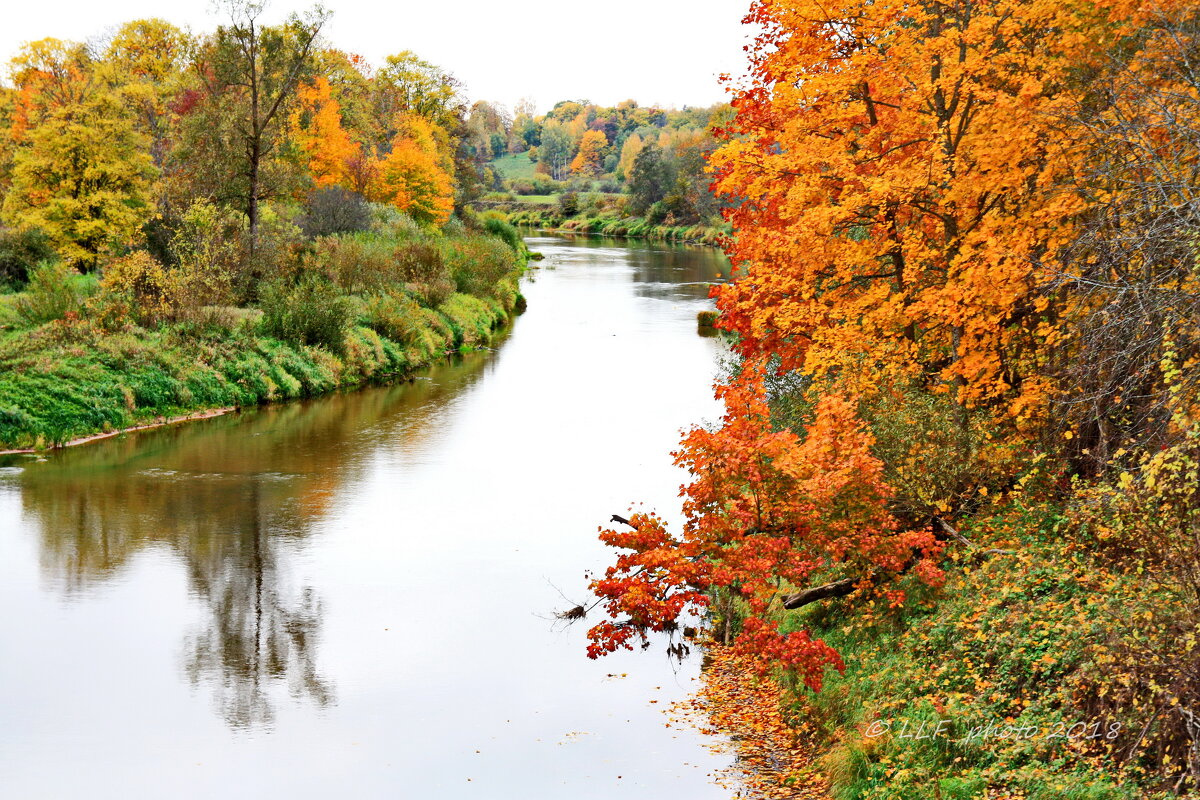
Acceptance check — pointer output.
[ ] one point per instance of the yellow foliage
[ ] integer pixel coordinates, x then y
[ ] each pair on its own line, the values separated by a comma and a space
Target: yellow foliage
415, 175
153, 291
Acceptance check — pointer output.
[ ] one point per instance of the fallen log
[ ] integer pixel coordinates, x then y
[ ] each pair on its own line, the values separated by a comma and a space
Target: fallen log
836, 589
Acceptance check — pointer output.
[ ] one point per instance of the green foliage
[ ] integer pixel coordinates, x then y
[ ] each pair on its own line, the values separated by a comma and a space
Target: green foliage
54, 291
495, 224
477, 263
311, 312
20, 252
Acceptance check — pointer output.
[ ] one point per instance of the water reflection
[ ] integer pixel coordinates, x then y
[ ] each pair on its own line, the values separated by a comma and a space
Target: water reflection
232, 499
360, 585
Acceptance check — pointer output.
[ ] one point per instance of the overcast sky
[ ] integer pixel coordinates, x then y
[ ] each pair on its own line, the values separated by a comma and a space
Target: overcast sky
666, 52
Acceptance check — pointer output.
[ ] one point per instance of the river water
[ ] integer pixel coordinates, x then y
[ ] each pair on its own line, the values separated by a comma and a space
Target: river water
353, 596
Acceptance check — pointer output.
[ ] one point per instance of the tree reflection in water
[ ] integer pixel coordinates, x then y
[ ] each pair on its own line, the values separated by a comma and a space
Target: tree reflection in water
232, 499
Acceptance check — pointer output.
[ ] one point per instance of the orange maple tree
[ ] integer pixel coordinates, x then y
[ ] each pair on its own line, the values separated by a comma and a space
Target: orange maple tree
894, 178
319, 134
766, 511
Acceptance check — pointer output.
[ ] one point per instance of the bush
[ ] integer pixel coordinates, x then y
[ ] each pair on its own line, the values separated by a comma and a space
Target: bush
20, 252
568, 204
311, 312
334, 210
152, 291
54, 290
391, 222
495, 224
419, 262
544, 184
477, 263
454, 228
396, 316
208, 247
276, 251
356, 262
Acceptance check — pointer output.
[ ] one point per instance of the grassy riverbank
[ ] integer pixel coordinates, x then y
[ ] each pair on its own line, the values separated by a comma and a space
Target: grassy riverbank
1056, 662
81, 355
614, 225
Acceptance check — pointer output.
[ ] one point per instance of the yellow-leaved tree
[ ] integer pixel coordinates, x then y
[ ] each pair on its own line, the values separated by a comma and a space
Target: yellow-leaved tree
415, 175
84, 176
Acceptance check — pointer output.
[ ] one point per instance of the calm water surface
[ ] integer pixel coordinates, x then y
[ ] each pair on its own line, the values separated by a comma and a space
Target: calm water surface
352, 596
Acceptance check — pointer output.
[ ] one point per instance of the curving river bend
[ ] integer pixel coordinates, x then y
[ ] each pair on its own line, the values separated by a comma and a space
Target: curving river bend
351, 596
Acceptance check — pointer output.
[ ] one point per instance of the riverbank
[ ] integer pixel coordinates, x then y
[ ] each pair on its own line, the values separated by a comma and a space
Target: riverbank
1039, 670
70, 379
612, 224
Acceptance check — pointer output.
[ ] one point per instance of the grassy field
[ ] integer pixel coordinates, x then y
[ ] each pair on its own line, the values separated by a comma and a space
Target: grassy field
513, 167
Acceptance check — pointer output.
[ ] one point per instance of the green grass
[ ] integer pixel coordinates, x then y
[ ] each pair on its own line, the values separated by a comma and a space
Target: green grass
1011, 640
61, 381
514, 167
536, 199
609, 224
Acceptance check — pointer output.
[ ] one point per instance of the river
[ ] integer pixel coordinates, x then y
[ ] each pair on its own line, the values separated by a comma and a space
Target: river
353, 596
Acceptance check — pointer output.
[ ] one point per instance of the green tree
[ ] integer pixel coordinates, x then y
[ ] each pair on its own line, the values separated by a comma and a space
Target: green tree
556, 150
651, 178
256, 70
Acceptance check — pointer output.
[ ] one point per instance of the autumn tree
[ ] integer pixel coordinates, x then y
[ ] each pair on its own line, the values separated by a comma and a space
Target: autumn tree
83, 175
590, 158
629, 152
415, 176
408, 84
146, 62
765, 512
255, 72
327, 146
900, 192
887, 158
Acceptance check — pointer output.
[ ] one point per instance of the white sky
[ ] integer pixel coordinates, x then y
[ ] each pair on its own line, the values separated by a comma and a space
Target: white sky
665, 52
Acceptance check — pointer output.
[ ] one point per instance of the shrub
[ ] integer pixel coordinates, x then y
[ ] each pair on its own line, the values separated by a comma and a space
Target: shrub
208, 247
276, 251
153, 292
495, 224
356, 262
20, 252
477, 263
433, 293
312, 312
568, 204
395, 316
334, 210
419, 262
391, 222
454, 227
54, 290
544, 184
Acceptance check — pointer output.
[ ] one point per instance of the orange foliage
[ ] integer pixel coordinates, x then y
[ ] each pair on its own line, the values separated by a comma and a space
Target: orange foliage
319, 134
765, 511
415, 175
590, 158
894, 160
